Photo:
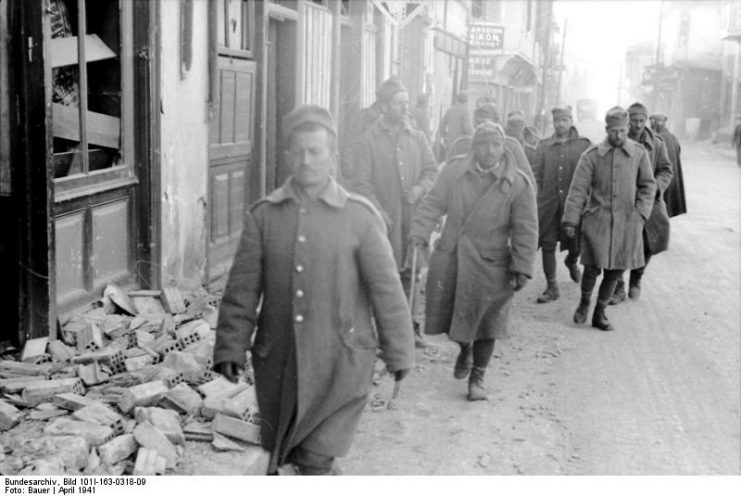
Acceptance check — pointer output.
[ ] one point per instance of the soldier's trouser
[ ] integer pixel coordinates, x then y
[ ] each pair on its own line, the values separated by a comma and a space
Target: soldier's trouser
609, 281
482, 351
310, 463
549, 256
636, 274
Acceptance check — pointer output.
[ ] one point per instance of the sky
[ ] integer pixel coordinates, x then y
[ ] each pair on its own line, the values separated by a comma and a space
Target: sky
598, 33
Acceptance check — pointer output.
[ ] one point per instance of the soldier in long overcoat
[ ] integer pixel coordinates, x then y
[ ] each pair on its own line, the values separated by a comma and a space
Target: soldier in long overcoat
312, 270
394, 169
656, 230
485, 252
611, 196
676, 203
554, 165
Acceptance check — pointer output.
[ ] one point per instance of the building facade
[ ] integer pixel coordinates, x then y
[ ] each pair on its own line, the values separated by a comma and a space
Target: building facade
134, 149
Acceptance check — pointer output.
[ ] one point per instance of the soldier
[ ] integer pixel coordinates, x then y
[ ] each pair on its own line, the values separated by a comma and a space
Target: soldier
611, 196
456, 122
421, 116
484, 254
656, 229
516, 129
736, 141
676, 204
394, 169
489, 112
554, 166
313, 266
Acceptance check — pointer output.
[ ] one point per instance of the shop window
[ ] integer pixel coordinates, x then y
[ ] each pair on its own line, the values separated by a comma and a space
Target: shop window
91, 88
235, 25
477, 9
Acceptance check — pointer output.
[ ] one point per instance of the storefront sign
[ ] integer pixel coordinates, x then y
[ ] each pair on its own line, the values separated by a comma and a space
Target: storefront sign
482, 36
481, 67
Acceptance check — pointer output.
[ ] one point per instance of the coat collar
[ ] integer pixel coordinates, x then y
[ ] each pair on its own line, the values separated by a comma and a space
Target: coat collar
333, 195
504, 172
380, 126
647, 138
628, 147
573, 134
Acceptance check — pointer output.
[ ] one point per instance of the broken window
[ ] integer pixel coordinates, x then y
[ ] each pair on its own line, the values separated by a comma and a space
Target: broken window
87, 91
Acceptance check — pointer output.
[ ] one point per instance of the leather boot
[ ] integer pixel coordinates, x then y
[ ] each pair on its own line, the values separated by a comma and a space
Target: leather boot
476, 390
580, 316
574, 271
599, 319
551, 293
634, 289
619, 295
464, 362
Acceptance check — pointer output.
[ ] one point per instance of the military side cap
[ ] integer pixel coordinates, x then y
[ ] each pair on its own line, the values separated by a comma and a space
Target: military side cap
516, 124
659, 115
616, 117
513, 113
304, 114
487, 129
638, 109
389, 88
487, 111
561, 112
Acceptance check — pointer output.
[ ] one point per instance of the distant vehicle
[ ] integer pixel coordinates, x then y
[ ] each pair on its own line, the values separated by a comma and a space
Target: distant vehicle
586, 110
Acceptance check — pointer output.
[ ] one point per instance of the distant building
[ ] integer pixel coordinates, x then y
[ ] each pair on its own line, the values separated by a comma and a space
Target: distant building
730, 97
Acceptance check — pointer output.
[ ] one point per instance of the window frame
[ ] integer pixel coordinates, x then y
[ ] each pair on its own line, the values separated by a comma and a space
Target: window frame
90, 182
248, 38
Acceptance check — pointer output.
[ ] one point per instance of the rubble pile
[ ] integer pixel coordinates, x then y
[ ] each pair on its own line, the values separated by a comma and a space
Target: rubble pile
123, 389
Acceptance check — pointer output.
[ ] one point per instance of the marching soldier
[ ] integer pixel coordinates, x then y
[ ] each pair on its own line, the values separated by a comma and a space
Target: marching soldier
554, 166
611, 196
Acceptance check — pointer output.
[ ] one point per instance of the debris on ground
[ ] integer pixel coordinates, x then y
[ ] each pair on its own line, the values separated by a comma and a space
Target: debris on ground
122, 389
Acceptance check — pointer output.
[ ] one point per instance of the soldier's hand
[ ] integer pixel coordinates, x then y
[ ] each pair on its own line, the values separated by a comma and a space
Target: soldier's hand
231, 370
399, 375
417, 242
518, 280
414, 194
569, 230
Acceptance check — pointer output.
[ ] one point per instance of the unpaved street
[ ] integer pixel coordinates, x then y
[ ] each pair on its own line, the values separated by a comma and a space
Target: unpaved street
659, 395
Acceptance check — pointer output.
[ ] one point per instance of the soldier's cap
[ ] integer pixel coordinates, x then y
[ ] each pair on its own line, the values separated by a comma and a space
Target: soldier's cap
389, 88
308, 113
487, 111
516, 124
513, 113
616, 117
486, 130
638, 109
659, 115
561, 112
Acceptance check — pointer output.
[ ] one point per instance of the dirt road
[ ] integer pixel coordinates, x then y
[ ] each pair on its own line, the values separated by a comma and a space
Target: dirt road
659, 395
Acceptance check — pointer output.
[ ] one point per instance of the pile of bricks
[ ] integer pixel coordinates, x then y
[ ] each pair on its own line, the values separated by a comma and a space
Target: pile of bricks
125, 387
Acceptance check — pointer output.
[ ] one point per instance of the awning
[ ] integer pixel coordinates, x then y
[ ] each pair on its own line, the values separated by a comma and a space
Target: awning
518, 71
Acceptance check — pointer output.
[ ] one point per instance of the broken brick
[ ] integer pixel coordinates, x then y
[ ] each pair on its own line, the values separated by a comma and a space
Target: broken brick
39, 391
117, 449
9, 415
34, 348
100, 414
165, 421
95, 434
236, 428
149, 437
149, 462
173, 300
142, 395
184, 398
60, 351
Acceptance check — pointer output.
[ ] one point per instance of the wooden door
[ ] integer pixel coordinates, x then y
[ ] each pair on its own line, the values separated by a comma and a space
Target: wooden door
229, 159
231, 130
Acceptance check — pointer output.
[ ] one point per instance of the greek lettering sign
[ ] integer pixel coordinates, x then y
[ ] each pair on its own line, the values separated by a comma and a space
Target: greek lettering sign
482, 36
480, 67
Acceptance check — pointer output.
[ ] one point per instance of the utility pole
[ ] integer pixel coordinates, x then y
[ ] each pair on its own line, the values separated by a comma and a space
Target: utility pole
657, 57
546, 62
560, 63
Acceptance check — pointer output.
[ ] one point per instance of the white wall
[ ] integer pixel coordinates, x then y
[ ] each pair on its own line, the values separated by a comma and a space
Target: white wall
184, 148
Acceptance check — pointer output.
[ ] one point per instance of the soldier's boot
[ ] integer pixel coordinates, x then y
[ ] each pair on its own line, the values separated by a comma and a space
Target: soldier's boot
419, 340
476, 390
580, 315
551, 293
464, 362
599, 318
634, 287
574, 271
619, 295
